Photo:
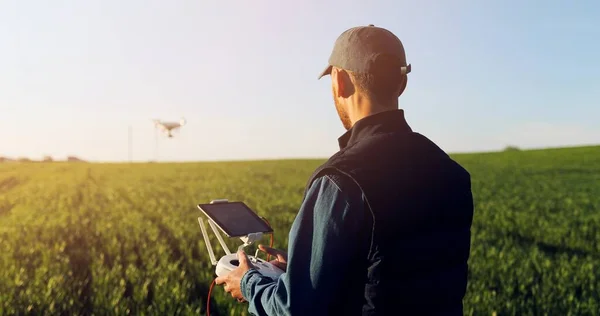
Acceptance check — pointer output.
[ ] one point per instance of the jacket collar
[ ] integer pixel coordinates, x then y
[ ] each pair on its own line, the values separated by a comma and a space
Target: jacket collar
380, 123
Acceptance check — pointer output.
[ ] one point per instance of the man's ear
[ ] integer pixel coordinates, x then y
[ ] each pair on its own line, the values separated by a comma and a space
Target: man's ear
334, 82
402, 86
343, 82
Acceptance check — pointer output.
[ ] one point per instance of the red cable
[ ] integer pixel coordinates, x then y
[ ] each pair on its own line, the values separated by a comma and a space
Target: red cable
208, 300
271, 243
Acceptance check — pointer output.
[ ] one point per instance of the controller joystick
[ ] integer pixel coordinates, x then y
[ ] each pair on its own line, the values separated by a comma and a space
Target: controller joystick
230, 262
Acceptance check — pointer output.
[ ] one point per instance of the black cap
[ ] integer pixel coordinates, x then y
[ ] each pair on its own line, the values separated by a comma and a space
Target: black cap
361, 49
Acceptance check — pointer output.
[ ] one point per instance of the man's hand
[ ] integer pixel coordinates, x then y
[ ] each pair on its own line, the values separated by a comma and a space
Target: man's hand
233, 279
280, 256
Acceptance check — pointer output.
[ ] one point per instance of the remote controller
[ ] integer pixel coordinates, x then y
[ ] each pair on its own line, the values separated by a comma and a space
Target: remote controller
230, 262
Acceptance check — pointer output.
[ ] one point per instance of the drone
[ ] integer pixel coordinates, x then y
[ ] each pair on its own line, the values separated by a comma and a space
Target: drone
168, 127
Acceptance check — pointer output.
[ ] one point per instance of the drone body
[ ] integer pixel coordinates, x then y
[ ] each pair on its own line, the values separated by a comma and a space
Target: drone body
168, 127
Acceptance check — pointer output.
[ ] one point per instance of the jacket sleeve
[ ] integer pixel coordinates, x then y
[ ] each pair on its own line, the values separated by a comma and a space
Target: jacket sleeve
321, 242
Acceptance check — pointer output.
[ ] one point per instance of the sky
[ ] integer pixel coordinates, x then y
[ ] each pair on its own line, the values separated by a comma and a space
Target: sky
76, 75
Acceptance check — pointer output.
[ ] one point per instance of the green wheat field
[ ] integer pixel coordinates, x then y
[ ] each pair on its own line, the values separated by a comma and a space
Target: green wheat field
85, 238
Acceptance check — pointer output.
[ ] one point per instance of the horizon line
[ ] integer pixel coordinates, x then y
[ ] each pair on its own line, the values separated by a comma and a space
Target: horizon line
125, 161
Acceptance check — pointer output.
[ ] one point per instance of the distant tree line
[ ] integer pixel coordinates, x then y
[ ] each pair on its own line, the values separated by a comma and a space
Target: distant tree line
44, 159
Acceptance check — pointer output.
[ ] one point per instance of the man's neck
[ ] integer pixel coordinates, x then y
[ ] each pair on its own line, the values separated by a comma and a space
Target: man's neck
365, 107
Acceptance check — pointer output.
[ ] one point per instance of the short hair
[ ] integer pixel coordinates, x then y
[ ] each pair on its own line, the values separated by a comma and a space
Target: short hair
382, 82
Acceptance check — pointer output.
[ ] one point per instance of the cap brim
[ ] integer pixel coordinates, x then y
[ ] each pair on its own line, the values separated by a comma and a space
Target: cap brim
325, 72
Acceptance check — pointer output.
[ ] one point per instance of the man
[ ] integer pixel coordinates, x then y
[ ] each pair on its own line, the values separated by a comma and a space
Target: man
384, 227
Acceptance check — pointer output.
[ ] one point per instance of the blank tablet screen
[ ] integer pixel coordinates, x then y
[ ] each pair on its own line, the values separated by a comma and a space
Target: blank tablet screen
236, 219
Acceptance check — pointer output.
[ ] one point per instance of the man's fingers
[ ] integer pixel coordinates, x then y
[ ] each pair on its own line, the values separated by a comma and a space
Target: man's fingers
220, 280
269, 250
242, 258
280, 255
266, 249
279, 264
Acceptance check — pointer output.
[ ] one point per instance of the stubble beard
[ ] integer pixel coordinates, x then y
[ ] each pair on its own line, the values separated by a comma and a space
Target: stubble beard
342, 114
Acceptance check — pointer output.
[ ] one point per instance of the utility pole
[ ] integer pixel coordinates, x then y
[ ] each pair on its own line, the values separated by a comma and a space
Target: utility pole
156, 145
130, 143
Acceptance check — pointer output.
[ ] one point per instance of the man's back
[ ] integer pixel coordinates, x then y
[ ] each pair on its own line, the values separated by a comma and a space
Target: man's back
421, 212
